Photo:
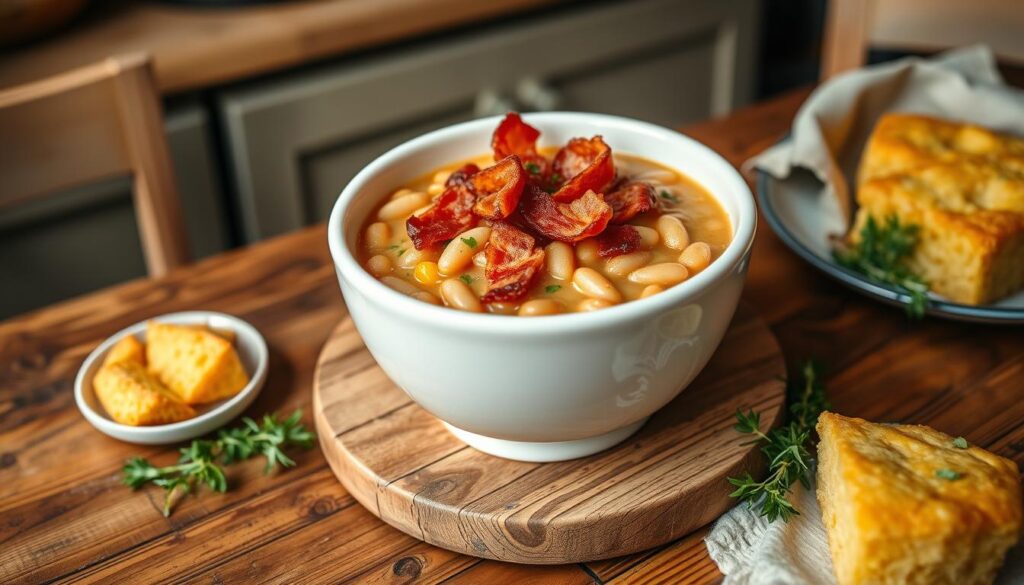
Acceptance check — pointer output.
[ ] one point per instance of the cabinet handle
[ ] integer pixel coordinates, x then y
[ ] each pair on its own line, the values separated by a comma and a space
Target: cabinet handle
535, 94
491, 102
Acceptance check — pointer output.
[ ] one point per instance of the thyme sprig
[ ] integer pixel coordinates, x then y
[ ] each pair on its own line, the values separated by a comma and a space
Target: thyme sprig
200, 462
881, 254
787, 448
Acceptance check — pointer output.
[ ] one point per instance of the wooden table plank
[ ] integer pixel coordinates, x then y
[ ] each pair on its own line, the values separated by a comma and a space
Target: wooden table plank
63, 513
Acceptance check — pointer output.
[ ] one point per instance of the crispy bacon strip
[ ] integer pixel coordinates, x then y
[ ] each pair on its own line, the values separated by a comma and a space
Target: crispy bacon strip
618, 239
514, 136
584, 165
570, 222
451, 215
629, 199
498, 188
512, 263
461, 175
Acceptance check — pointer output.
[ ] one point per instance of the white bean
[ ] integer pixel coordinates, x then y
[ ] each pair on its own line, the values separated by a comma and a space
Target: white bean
402, 207
538, 307
411, 256
673, 232
435, 189
623, 264
458, 295
377, 235
588, 305
651, 290
379, 265
591, 283
696, 257
441, 177
480, 259
401, 193
587, 252
648, 236
402, 286
501, 308
560, 261
665, 274
427, 297
459, 252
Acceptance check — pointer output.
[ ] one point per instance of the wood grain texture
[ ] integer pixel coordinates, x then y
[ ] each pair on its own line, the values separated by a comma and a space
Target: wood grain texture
661, 483
194, 48
64, 516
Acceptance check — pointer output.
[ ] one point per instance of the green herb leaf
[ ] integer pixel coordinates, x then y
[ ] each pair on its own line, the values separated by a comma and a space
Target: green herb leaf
402, 251
948, 474
787, 448
466, 279
556, 178
552, 288
532, 168
881, 253
960, 443
470, 241
668, 196
201, 462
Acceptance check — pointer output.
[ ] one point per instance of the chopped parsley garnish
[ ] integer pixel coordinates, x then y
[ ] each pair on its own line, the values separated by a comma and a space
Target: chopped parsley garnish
402, 251
466, 279
394, 247
551, 288
668, 196
948, 474
556, 178
470, 241
532, 168
960, 443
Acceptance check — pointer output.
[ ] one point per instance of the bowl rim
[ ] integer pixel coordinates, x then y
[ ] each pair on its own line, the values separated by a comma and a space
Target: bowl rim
109, 426
735, 252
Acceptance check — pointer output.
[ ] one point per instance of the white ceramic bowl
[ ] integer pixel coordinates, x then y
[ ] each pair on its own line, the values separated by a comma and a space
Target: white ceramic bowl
251, 348
544, 388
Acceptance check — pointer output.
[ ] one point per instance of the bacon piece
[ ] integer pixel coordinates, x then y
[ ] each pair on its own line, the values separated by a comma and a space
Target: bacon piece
514, 136
498, 188
616, 240
584, 165
570, 222
451, 215
512, 263
629, 199
461, 175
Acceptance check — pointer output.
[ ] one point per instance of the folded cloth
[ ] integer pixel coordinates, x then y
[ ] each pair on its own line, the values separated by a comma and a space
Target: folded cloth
832, 127
751, 551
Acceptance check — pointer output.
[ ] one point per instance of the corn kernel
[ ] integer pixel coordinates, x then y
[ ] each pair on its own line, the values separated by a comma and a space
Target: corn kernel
427, 273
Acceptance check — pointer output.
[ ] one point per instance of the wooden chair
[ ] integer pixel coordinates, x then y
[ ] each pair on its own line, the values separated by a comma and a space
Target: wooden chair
851, 26
89, 124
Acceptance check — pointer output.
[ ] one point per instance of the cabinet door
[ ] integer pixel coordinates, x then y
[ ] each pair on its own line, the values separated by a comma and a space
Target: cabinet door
75, 242
295, 141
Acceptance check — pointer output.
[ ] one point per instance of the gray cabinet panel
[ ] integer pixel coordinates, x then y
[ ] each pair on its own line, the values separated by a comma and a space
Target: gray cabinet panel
86, 239
295, 141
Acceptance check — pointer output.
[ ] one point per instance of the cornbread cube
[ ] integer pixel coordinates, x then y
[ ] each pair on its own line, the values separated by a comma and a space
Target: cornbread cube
128, 349
964, 187
197, 365
133, 396
903, 504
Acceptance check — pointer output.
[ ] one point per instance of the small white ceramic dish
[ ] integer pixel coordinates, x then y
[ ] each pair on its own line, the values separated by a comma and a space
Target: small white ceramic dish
544, 388
789, 207
251, 348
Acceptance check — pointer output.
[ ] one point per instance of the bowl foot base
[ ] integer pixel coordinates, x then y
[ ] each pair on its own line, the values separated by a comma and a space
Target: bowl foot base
545, 452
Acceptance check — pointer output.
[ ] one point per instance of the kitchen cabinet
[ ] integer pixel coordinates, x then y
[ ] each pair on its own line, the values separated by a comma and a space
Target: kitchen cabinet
85, 239
294, 141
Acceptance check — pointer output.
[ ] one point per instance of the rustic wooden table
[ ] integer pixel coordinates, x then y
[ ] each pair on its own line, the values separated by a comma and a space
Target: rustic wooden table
64, 514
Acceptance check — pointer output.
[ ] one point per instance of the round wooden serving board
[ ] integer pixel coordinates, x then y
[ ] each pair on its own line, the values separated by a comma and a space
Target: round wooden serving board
663, 482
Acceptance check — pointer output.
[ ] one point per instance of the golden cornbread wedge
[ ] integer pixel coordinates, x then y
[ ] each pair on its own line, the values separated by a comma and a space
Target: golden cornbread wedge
905, 504
197, 365
963, 186
128, 349
133, 396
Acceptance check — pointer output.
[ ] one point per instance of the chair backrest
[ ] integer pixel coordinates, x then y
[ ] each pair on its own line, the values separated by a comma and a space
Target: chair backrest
851, 26
96, 122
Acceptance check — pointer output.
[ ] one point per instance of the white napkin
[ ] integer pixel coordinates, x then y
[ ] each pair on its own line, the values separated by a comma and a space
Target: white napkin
750, 551
831, 128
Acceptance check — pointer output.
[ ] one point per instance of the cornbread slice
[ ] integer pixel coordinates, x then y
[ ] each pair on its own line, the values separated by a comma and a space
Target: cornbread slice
964, 187
128, 349
902, 504
197, 365
133, 396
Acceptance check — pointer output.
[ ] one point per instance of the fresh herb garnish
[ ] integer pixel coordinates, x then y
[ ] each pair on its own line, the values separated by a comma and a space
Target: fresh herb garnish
466, 279
948, 474
881, 255
532, 168
470, 241
551, 288
394, 247
960, 443
201, 461
670, 197
787, 448
402, 251
556, 178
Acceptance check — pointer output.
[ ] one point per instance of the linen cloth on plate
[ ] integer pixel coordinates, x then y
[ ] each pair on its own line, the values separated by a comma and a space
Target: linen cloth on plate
750, 551
833, 125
